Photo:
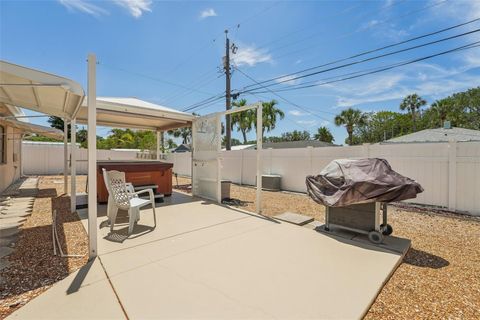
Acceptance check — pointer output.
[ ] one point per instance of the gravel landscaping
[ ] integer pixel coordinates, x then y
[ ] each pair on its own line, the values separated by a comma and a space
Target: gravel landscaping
33, 267
439, 276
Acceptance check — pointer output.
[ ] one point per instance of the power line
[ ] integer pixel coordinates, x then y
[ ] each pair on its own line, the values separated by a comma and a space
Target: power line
368, 59
205, 101
380, 69
412, 12
376, 50
284, 99
152, 78
198, 83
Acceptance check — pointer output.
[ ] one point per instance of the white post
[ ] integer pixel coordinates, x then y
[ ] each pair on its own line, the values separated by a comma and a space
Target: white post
92, 156
219, 158
259, 157
73, 166
65, 156
452, 175
158, 145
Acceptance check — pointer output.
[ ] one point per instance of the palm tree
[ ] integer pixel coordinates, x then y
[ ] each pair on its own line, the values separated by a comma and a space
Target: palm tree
413, 103
350, 118
243, 120
270, 114
324, 134
441, 108
184, 133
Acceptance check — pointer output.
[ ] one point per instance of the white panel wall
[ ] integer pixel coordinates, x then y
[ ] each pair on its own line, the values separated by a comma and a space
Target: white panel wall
456, 186
47, 159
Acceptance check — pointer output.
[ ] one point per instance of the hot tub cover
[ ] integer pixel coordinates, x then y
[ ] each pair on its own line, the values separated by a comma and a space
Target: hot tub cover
344, 182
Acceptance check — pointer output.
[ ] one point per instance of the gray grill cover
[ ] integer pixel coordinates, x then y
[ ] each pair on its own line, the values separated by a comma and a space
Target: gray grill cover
344, 182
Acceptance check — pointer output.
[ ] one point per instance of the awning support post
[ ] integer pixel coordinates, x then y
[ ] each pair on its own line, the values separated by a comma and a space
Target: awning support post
73, 166
92, 157
158, 145
65, 156
259, 157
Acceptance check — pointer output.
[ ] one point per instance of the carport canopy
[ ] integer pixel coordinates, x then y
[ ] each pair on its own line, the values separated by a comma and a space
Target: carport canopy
39, 91
135, 113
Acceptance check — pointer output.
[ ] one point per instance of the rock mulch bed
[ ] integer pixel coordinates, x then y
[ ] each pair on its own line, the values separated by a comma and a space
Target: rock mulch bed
440, 275
32, 266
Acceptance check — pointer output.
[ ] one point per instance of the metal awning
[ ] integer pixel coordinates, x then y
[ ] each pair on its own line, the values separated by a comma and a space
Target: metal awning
39, 91
135, 113
34, 128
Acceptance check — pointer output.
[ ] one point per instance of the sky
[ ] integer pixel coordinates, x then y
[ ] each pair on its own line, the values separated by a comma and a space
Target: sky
170, 52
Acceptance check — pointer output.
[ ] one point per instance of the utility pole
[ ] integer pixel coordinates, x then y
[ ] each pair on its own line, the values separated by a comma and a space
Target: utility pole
226, 65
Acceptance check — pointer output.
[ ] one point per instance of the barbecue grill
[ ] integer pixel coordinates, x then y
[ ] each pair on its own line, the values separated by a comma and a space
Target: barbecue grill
356, 192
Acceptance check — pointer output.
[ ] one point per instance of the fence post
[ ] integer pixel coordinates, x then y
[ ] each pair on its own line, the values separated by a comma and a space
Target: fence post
310, 158
452, 175
366, 150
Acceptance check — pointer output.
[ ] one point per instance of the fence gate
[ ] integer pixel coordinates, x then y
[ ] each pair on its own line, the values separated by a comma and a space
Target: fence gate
206, 139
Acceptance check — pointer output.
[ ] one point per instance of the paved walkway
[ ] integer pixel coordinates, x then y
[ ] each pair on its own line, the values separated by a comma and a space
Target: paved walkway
208, 261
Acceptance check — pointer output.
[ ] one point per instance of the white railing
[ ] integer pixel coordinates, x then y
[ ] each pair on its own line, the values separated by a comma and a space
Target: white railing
449, 172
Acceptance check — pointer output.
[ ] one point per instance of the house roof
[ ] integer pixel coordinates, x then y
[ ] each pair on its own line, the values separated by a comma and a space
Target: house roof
135, 113
438, 135
39, 91
33, 128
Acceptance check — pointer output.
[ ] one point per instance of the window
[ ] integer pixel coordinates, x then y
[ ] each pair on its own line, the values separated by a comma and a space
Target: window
3, 144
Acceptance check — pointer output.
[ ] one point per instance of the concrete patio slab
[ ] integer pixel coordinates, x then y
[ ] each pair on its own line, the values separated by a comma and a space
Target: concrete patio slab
85, 294
207, 261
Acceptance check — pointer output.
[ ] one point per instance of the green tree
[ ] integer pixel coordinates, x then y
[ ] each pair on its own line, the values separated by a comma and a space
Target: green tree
350, 118
324, 134
270, 116
243, 120
412, 103
295, 135
441, 108
171, 144
184, 133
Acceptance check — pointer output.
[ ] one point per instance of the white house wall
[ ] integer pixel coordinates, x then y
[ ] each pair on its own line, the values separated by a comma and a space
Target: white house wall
10, 171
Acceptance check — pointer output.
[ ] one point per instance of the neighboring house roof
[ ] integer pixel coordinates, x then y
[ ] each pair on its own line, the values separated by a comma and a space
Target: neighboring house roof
181, 148
438, 135
297, 144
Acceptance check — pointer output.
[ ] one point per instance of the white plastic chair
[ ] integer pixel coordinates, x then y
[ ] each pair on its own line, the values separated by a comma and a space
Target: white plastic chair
124, 197
111, 202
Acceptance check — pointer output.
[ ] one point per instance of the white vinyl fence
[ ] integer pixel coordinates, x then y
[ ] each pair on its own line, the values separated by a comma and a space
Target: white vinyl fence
449, 172
41, 158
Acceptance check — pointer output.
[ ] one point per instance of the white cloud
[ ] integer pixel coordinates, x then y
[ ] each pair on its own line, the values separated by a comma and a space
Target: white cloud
457, 10
428, 80
83, 6
135, 7
249, 55
207, 13
296, 113
287, 80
